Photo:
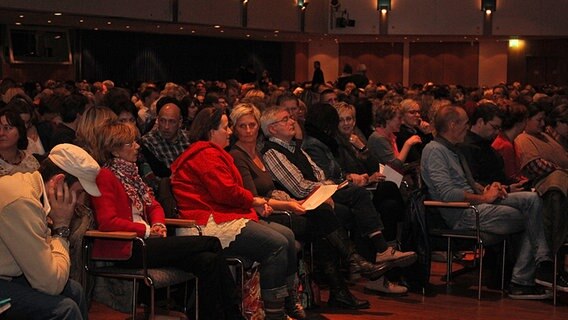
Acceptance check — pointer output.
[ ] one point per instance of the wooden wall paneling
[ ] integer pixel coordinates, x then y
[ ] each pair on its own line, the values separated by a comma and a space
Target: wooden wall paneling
383, 60
447, 63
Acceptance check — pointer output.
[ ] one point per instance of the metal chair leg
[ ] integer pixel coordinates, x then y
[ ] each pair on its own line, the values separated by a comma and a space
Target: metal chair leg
503, 260
134, 299
480, 275
152, 303
196, 298
449, 261
554, 284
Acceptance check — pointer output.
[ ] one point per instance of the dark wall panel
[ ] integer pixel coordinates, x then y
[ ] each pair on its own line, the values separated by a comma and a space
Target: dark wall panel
383, 60
449, 63
139, 57
539, 61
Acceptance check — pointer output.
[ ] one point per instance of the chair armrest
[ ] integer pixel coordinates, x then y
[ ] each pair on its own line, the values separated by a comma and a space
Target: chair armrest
123, 235
455, 204
184, 223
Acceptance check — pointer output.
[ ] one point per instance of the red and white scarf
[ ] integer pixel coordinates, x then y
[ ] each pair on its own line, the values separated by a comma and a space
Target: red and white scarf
127, 172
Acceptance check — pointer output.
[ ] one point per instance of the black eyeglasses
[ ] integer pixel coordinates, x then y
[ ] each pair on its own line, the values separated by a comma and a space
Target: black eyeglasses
283, 120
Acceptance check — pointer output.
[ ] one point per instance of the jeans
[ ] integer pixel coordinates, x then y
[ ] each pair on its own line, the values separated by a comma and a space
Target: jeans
28, 303
519, 211
270, 246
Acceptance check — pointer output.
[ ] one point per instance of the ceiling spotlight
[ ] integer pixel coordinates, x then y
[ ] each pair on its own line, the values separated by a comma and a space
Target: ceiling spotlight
488, 6
384, 6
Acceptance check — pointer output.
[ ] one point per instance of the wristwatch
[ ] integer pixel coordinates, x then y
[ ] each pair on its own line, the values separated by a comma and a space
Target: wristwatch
62, 232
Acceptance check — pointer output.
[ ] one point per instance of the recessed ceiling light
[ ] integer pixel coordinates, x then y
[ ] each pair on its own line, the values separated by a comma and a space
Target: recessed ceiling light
222, 31
158, 26
57, 14
81, 21
18, 23
95, 29
276, 31
109, 23
48, 21
127, 27
192, 31
217, 26
248, 35
21, 16
181, 28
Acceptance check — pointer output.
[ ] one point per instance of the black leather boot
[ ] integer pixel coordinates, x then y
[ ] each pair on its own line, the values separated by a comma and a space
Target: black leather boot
357, 264
339, 294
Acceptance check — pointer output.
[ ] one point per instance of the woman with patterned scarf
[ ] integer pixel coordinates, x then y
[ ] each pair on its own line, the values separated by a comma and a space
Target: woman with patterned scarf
128, 204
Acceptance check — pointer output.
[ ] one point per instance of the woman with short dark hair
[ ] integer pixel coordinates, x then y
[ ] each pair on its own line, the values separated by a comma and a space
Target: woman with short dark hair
13, 143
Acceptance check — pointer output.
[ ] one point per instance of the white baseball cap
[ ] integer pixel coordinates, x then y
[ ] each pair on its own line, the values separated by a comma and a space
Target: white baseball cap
77, 162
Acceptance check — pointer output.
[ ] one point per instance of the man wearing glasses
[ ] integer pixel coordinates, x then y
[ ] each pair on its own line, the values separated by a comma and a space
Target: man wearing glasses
485, 163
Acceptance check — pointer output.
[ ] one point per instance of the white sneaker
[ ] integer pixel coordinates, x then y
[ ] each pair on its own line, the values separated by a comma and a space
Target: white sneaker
382, 286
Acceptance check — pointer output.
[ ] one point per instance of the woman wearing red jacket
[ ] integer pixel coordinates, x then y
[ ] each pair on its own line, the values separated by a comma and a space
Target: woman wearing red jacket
128, 204
209, 189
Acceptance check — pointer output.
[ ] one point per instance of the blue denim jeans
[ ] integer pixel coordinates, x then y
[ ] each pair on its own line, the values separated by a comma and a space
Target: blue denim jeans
28, 303
272, 246
519, 211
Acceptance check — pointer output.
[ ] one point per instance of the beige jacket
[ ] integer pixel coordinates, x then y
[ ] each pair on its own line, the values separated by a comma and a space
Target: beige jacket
26, 246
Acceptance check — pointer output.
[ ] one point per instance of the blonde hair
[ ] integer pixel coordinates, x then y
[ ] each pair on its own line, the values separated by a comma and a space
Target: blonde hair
241, 110
90, 124
344, 106
113, 136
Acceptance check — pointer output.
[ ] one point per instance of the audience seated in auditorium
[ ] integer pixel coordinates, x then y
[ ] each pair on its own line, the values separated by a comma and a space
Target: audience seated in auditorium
448, 178
209, 189
322, 126
299, 175
382, 143
319, 225
128, 204
513, 123
34, 271
544, 161
485, 163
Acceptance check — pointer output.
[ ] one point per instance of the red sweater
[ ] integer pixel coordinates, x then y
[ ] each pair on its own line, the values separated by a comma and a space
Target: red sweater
206, 182
113, 212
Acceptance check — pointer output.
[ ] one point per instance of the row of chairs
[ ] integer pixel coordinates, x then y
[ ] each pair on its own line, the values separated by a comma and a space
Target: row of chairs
153, 278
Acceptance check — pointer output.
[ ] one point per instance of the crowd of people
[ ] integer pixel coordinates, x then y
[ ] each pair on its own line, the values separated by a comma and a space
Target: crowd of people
236, 153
